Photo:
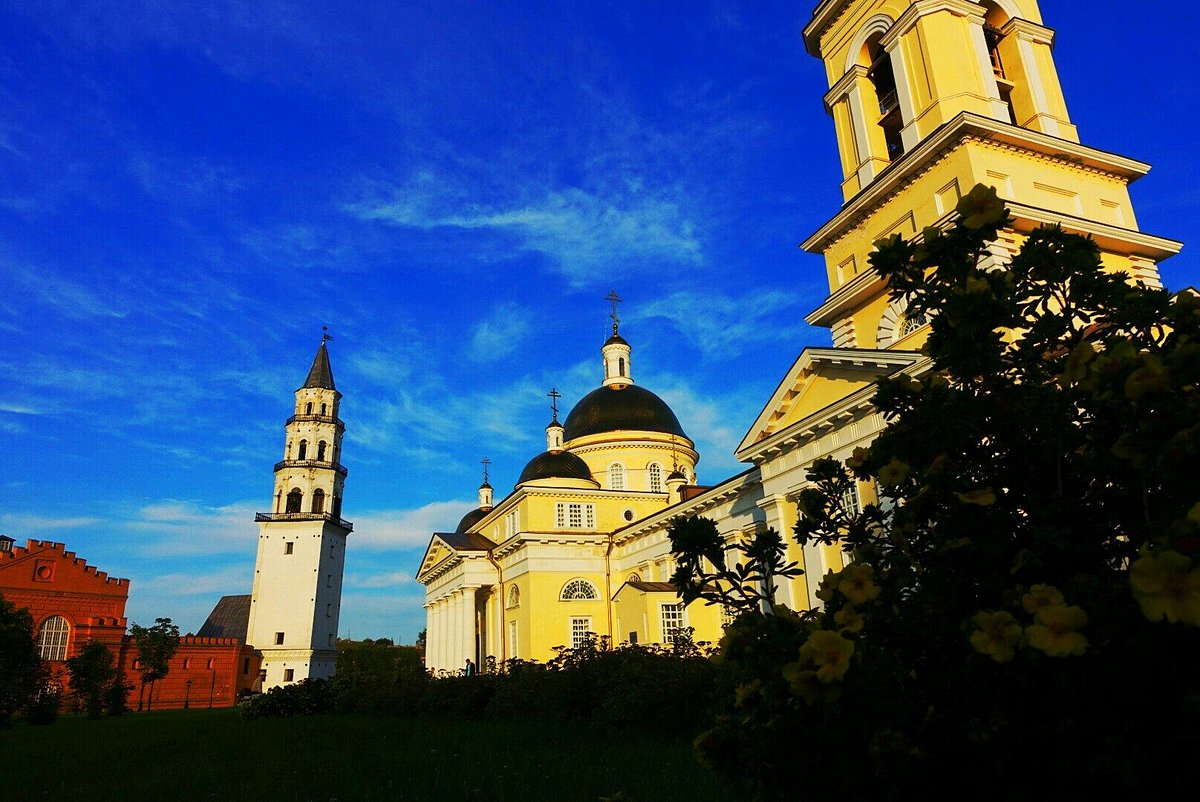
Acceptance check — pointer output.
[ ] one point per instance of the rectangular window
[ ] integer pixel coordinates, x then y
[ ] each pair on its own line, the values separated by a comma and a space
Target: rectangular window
246, 665
851, 501
288, 674
331, 637
574, 516
289, 547
211, 664
331, 550
329, 580
329, 611
187, 663
512, 639
511, 522
672, 621
278, 638
580, 627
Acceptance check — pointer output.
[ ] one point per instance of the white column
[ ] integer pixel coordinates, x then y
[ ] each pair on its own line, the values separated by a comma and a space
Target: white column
430, 639
443, 632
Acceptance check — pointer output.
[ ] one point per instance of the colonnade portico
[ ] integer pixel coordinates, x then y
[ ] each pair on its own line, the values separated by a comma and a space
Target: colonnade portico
450, 637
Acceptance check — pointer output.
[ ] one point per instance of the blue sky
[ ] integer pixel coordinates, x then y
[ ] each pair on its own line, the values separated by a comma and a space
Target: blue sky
188, 192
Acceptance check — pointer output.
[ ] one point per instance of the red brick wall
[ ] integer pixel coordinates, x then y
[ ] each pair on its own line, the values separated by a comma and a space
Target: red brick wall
48, 580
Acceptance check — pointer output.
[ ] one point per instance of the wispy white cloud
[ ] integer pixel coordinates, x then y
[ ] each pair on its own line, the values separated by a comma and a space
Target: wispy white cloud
42, 527
231, 580
383, 530
498, 334
174, 527
722, 326
618, 230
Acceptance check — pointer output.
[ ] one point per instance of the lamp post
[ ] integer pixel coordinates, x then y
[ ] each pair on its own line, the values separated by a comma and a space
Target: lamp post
187, 694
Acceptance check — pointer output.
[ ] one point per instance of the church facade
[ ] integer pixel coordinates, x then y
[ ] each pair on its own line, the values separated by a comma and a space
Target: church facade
928, 98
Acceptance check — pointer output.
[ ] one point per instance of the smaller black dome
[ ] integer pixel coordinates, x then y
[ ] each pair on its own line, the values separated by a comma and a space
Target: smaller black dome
555, 465
471, 518
616, 338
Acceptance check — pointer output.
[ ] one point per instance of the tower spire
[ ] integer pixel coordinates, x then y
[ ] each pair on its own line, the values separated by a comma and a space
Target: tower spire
485, 489
554, 429
320, 375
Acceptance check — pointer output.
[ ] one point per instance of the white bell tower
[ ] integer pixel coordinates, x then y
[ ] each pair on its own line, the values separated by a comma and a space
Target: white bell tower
297, 593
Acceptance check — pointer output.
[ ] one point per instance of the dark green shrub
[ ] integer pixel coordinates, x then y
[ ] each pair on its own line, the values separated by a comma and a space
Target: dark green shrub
304, 698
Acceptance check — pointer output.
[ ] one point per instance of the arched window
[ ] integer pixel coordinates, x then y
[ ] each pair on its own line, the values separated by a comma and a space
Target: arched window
514, 597
321, 446
912, 322
318, 502
881, 76
295, 500
337, 506
621, 366
322, 409
579, 590
302, 453
634, 577
308, 408
654, 471
616, 476
52, 638
995, 18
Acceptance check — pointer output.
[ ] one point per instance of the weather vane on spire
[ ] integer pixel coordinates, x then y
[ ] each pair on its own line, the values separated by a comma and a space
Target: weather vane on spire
554, 396
485, 462
614, 299
325, 335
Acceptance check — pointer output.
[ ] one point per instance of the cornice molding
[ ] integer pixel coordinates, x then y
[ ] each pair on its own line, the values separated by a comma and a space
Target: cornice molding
920, 159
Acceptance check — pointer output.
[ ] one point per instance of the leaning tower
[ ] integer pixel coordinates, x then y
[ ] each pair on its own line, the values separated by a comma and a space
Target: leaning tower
302, 541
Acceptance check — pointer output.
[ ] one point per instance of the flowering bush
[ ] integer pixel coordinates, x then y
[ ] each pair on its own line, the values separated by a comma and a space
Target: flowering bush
1026, 592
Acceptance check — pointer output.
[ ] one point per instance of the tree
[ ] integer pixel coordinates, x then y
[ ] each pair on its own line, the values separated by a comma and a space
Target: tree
1020, 615
22, 672
156, 646
92, 675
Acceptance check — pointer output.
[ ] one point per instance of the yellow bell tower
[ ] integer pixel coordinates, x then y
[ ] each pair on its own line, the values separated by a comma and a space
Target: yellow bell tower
929, 98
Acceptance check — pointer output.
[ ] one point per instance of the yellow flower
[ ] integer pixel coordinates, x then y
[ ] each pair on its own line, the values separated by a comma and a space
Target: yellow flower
849, 619
857, 583
981, 206
1040, 596
1053, 631
983, 496
894, 472
997, 636
1166, 584
829, 584
829, 652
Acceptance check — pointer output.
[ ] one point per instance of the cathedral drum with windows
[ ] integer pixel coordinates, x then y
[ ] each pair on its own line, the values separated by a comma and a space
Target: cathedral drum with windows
928, 99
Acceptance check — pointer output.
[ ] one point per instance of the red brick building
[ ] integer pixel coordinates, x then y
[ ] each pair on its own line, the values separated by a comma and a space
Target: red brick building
72, 602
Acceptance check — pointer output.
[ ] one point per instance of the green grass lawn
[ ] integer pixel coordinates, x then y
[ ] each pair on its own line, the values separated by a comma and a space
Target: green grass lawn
213, 754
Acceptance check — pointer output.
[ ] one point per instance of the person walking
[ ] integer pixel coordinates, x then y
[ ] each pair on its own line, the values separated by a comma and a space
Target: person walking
469, 668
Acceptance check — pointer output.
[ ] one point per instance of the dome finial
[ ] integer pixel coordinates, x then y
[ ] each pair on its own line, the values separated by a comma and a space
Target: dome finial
614, 299
554, 395
485, 489
554, 429
485, 462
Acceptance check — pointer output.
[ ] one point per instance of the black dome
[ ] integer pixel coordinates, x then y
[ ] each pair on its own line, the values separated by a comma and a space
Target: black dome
610, 408
471, 518
555, 465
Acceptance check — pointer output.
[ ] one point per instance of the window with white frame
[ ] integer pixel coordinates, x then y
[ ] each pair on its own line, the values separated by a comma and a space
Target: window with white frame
569, 515
580, 627
512, 639
654, 471
579, 590
511, 522
850, 500
671, 616
52, 638
912, 322
616, 476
